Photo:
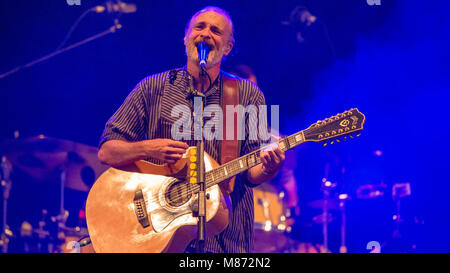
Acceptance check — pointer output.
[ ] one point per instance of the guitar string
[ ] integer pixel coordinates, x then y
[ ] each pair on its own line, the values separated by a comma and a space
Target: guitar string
290, 139
175, 197
195, 188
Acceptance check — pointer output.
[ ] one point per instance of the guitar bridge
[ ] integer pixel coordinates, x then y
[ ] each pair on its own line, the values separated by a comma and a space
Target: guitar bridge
140, 209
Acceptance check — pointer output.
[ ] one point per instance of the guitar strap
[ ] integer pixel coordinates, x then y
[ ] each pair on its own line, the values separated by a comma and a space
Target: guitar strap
230, 148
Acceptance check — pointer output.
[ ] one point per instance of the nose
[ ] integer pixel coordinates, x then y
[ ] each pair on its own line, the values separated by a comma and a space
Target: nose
205, 33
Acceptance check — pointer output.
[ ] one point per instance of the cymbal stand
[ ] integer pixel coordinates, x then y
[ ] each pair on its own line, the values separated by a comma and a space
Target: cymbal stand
399, 192
342, 198
61, 218
326, 188
6, 187
43, 235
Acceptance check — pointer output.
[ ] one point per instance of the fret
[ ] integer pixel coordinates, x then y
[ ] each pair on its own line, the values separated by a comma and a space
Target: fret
292, 141
248, 159
217, 174
300, 137
282, 144
286, 144
231, 167
256, 158
220, 173
238, 166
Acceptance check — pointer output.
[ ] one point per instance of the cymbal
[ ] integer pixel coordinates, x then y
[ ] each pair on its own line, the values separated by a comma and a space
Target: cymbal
332, 204
42, 156
370, 191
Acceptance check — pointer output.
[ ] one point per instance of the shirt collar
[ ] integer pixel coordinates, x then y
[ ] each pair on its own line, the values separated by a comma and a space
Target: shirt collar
189, 82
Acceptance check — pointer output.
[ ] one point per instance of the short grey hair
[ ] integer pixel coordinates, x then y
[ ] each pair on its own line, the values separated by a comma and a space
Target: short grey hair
216, 10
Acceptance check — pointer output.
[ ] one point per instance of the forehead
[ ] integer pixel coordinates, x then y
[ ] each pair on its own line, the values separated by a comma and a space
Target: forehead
213, 18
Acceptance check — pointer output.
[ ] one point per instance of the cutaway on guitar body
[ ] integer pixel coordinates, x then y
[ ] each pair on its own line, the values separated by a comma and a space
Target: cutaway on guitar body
145, 207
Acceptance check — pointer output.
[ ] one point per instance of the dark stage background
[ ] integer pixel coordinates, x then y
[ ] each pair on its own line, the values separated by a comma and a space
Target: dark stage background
391, 61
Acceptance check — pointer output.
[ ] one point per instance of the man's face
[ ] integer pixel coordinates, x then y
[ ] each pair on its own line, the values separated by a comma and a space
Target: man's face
212, 28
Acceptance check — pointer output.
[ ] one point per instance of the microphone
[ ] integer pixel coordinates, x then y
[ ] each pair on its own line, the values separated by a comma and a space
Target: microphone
115, 7
203, 52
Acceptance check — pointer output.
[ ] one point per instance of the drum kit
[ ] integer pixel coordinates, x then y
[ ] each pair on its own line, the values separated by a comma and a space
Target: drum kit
53, 169
271, 220
274, 221
274, 224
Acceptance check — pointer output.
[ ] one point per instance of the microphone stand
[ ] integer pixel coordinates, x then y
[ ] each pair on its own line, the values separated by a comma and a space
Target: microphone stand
6, 184
112, 29
201, 166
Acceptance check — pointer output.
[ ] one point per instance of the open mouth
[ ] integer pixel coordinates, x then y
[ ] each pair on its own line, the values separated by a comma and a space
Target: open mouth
211, 46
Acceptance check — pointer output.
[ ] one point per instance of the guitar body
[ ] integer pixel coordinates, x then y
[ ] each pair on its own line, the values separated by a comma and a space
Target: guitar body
112, 213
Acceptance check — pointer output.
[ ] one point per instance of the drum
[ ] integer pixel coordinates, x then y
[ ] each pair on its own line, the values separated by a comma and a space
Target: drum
271, 227
75, 241
308, 247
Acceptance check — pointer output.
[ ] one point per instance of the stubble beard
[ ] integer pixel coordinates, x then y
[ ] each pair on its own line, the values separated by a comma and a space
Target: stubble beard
215, 55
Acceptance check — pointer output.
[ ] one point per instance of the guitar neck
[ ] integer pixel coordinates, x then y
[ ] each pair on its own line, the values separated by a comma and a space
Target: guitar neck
248, 161
340, 125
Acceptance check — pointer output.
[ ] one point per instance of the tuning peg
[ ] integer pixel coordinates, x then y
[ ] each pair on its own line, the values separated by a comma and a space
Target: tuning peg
338, 140
358, 135
325, 144
332, 142
345, 138
351, 136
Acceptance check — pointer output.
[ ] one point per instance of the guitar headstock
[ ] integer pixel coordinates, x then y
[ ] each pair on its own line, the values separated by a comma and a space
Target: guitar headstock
342, 124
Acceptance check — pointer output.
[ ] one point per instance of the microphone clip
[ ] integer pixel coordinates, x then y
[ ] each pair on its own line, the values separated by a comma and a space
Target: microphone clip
173, 76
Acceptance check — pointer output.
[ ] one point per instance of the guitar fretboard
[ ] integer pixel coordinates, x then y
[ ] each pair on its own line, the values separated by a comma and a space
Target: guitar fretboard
245, 162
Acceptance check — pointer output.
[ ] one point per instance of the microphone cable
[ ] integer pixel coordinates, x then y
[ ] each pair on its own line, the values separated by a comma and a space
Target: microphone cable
72, 28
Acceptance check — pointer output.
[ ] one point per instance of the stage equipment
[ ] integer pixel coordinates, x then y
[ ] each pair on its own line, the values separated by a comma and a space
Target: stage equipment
370, 191
41, 158
271, 226
115, 7
60, 50
6, 184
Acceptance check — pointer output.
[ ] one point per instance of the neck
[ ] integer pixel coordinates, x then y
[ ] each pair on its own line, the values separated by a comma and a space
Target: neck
194, 69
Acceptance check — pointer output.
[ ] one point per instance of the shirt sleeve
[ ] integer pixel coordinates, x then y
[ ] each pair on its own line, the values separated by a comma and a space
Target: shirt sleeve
254, 124
130, 121
256, 134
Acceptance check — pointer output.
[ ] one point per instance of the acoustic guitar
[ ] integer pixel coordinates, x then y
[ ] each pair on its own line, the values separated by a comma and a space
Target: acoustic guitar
150, 208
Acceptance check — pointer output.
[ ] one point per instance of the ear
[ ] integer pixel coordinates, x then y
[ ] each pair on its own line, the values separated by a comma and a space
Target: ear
229, 48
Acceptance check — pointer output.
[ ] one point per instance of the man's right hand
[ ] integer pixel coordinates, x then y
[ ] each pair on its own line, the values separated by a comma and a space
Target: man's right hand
118, 153
166, 150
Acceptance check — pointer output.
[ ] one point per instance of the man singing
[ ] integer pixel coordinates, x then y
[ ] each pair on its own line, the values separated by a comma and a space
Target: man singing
141, 127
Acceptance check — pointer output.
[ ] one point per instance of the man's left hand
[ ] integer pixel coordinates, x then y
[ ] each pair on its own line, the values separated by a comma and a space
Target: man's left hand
272, 159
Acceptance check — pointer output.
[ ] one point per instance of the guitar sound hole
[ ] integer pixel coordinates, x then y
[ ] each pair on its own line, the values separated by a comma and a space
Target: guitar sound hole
178, 193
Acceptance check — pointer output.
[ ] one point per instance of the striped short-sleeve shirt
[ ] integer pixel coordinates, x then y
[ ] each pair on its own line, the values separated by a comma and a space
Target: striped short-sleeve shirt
146, 114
